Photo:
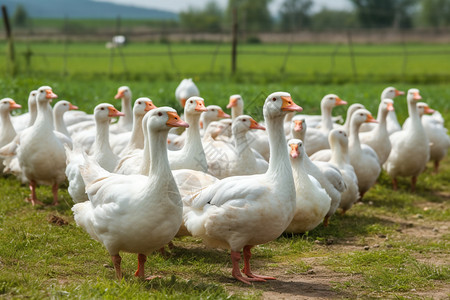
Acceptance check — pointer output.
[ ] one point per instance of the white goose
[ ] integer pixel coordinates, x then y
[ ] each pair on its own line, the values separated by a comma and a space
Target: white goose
185, 90
437, 135
350, 111
25, 120
41, 154
213, 113
101, 152
240, 159
7, 131
126, 123
191, 156
422, 109
134, 213
363, 159
339, 158
410, 147
313, 202
59, 110
378, 138
317, 138
240, 212
126, 142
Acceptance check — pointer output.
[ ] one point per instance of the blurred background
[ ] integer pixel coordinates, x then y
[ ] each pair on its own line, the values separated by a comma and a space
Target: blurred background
296, 41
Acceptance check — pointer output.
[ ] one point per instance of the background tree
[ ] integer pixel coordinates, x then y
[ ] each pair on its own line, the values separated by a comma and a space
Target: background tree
384, 13
295, 14
208, 19
20, 17
435, 13
333, 19
253, 15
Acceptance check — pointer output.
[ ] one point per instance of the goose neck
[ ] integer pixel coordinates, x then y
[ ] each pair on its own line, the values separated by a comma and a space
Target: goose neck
137, 134
279, 165
5, 122
59, 124
327, 122
193, 138
159, 162
236, 111
353, 140
101, 144
242, 147
44, 118
126, 120
339, 154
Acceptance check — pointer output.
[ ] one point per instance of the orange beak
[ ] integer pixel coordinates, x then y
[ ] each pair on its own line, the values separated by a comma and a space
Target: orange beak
201, 124
14, 105
339, 101
200, 106
399, 93
175, 120
72, 107
119, 94
417, 96
232, 103
390, 107
289, 105
294, 150
255, 125
428, 110
298, 125
114, 112
50, 94
149, 106
183, 102
222, 114
370, 119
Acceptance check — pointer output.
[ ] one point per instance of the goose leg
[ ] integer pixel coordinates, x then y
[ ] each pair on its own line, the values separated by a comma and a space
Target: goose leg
33, 198
247, 271
326, 221
142, 258
436, 166
394, 184
236, 273
55, 194
116, 259
413, 183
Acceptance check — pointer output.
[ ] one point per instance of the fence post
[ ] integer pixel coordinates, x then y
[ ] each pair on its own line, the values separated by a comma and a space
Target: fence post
234, 40
9, 37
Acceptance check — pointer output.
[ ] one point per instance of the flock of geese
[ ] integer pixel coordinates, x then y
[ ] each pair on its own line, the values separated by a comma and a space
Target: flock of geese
233, 182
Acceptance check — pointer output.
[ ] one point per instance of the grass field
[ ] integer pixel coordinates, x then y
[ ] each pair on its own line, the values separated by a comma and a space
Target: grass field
416, 63
393, 245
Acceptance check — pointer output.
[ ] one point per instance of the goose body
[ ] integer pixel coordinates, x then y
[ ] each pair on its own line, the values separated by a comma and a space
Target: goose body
234, 212
7, 131
134, 213
312, 201
410, 147
363, 158
41, 154
185, 90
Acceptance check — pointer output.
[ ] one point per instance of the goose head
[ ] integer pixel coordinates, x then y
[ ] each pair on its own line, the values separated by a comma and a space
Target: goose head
213, 113
104, 111
295, 148
185, 90
338, 136
8, 104
194, 106
164, 118
45, 94
423, 108
388, 104
298, 125
413, 95
244, 123
123, 92
213, 130
235, 101
32, 99
362, 116
391, 92
330, 101
63, 106
142, 106
352, 108
278, 104
225, 127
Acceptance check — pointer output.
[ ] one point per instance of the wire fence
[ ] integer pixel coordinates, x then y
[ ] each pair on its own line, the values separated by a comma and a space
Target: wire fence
303, 62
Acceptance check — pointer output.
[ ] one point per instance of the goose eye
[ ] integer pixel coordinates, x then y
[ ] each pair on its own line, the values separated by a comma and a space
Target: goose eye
213, 110
340, 131
139, 102
160, 114
102, 108
361, 115
243, 120
274, 99
192, 101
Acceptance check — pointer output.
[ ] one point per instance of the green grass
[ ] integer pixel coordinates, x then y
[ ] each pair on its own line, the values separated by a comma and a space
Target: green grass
39, 259
264, 63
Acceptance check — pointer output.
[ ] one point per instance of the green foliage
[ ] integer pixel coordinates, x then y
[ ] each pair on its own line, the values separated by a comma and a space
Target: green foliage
20, 17
435, 13
209, 19
253, 15
295, 14
333, 19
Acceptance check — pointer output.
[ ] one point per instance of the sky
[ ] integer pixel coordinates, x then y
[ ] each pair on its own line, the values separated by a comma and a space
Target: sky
181, 5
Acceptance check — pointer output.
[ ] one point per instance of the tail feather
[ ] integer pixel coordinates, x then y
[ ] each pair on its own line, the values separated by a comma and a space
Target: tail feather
91, 171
